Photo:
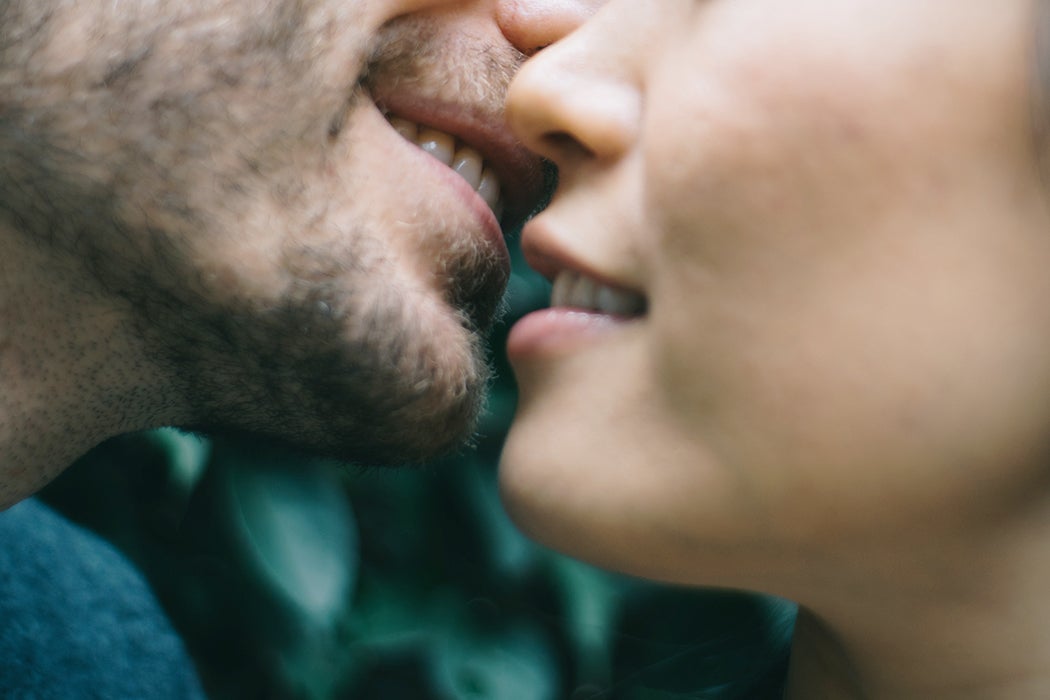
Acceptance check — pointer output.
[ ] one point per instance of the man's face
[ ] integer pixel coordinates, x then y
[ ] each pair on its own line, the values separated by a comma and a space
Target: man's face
250, 180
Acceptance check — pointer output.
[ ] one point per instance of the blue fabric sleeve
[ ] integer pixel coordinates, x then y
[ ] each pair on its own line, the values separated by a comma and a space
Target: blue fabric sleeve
77, 620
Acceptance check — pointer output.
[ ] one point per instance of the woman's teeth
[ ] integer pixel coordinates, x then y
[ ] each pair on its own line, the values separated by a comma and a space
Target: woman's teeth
574, 290
461, 158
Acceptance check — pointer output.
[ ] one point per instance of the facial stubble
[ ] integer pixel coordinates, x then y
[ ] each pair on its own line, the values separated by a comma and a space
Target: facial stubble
348, 359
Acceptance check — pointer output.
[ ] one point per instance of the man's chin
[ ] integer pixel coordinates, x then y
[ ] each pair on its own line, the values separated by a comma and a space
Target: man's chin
399, 442
404, 403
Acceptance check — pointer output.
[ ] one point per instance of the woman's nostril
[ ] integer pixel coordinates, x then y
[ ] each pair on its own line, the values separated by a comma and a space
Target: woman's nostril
565, 144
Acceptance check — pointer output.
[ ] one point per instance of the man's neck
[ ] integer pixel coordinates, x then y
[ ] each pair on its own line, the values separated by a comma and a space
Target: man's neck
70, 373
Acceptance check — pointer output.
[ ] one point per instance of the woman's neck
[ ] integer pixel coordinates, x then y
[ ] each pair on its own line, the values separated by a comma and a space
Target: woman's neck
965, 621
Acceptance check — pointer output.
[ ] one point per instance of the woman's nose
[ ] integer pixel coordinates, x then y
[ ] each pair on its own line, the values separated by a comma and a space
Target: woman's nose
531, 25
577, 98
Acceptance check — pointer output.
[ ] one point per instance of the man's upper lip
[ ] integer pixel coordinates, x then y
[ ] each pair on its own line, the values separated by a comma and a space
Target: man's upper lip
520, 171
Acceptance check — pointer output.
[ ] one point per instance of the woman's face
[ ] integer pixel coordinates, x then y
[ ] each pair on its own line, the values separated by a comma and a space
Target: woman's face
833, 215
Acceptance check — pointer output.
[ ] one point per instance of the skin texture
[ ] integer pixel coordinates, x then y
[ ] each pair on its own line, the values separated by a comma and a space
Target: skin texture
208, 222
840, 391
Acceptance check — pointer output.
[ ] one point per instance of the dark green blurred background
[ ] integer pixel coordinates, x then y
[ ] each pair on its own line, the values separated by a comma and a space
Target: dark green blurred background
296, 579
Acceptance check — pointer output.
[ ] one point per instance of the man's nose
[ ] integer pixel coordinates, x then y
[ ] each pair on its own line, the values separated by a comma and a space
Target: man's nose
531, 25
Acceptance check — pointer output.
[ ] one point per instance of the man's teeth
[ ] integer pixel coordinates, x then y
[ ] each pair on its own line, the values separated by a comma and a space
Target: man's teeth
574, 290
461, 158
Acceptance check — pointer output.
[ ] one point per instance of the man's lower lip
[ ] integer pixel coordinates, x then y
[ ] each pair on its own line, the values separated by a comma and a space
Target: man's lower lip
490, 225
557, 330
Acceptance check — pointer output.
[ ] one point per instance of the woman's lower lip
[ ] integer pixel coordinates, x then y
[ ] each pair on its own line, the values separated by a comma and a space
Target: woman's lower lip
554, 330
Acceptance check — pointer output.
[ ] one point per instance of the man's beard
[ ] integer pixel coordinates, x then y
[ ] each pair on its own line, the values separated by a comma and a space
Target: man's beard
346, 363
348, 358
347, 369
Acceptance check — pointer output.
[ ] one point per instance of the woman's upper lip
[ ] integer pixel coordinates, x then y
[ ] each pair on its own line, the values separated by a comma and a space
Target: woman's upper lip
520, 172
543, 254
